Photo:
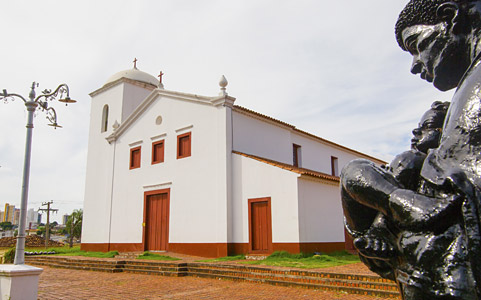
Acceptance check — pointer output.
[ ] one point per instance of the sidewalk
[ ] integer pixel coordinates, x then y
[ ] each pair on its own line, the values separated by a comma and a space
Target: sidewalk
79, 285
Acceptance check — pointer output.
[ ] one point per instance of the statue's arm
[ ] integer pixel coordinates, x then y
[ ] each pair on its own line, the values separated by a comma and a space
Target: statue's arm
366, 186
414, 211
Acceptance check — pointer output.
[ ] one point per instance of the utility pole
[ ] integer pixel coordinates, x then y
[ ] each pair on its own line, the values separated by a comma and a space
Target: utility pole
47, 227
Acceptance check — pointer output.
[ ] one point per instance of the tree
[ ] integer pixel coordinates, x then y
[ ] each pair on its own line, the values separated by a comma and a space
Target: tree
6, 225
41, 230
74, 225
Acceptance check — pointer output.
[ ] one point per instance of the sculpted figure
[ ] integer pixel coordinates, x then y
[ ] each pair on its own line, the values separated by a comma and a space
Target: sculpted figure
406, 169
426, 235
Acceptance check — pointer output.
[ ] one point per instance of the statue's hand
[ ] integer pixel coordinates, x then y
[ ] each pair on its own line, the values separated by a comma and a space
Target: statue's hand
414, 211
375, 247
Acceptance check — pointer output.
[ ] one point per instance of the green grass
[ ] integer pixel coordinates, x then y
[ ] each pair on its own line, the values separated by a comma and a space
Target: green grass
226, 258
74, 251
306, 261
155, 256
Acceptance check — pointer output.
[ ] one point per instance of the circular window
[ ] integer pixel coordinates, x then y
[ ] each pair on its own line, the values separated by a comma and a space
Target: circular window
158, 120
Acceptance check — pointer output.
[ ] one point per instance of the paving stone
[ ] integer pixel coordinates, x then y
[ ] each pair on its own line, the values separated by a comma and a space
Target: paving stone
79, 285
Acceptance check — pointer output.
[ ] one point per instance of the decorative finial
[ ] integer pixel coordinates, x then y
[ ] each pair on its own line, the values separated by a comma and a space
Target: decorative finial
135, 63
223, 83
161, 85
115, 125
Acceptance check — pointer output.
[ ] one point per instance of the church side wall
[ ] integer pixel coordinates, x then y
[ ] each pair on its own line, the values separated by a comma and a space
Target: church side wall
316, 155
197, 184
273, 141
253, 136
321, 227
98, 182
253, 179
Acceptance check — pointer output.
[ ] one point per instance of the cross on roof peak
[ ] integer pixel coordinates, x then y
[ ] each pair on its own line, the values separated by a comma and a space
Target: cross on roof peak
160, 76
135, 63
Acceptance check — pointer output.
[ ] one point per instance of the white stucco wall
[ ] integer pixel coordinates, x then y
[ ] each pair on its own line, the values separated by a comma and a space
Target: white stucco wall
316, 155
268, 139
320, 212
133, 95
254, 179
99, 167
121, 99
253, 136
198, 206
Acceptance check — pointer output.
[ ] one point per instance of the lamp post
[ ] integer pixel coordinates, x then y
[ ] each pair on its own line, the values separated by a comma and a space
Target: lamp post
32, 104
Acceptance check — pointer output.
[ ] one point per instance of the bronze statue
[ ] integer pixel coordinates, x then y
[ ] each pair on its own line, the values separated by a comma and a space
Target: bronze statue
418, 220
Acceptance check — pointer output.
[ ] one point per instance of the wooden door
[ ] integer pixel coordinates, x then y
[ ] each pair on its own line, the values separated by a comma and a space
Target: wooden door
260, 238
157, 221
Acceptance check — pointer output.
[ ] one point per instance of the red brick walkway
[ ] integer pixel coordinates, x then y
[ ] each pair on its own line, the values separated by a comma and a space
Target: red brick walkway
72, 284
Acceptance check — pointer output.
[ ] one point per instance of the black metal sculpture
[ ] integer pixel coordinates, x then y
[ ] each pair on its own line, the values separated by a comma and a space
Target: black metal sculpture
417, 221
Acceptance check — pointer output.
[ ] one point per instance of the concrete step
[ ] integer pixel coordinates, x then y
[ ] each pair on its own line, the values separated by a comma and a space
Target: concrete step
174, 273
128, 255
287, 272
369, 285
346, 288
360, 281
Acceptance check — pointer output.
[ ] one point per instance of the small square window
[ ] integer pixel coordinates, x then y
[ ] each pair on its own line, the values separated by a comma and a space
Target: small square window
184, 142
158, 152
135, 158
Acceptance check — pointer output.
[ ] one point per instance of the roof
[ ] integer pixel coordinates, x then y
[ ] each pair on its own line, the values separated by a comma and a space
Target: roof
301, 171
134, 74
294, 128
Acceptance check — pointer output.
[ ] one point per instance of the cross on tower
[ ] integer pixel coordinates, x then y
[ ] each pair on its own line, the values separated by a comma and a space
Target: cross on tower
135, 63
160, 76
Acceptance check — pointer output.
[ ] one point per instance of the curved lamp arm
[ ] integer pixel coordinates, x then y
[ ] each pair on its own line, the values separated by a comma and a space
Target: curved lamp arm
52, 118
5, 96
59, 92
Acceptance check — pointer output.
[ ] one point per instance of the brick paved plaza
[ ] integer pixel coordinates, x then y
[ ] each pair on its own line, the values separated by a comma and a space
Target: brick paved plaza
72, 284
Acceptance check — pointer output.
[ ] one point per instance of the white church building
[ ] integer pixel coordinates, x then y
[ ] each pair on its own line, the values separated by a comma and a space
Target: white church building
202, 176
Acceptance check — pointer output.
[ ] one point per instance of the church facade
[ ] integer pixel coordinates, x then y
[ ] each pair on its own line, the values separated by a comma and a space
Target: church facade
178, 172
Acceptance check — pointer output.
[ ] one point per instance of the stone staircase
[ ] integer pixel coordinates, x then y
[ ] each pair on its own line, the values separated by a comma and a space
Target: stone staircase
110, 266
175, 269
353, 284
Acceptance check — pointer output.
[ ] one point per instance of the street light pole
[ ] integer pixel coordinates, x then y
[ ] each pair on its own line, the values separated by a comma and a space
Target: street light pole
20, 250
32, 104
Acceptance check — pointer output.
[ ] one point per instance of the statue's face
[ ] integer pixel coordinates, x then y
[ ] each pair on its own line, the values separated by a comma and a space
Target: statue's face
439, 56
428, 134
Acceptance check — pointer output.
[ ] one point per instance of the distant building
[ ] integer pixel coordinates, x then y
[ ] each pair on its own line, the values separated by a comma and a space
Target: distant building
32, 218
65, 219
8, 233
1, 215
16, 216
39, 220
9, 213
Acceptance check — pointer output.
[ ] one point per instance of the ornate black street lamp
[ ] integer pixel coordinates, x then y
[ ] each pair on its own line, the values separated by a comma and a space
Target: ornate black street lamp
62, 94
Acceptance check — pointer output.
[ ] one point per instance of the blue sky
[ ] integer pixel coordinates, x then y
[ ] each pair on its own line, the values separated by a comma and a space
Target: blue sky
331, 68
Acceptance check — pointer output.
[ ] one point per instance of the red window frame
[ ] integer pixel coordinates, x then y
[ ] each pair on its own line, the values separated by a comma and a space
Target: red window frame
158, 152
334, 166
295, 155
184, 145
135, 156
